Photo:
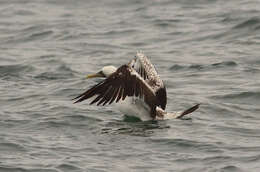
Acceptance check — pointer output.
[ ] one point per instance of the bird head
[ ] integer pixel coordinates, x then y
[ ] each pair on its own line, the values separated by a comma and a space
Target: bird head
105, 72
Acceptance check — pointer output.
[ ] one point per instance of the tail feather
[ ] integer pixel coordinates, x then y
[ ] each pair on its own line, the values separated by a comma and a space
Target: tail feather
188, 111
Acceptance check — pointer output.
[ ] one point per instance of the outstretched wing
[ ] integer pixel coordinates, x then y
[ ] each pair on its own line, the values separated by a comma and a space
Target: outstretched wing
143, 66
124, 82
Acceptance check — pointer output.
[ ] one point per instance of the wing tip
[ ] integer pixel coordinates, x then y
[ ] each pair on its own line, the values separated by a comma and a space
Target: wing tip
77, 101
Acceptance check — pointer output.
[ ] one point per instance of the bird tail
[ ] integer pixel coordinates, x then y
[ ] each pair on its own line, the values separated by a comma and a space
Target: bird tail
188, 111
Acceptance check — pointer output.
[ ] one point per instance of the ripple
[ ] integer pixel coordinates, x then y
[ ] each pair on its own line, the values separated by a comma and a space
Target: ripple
166, 22
53, 76
40, 35
23, 12
68, 167
241, 95
133, 127
81, 118
74, 121
14, 70
218, 158
187, 144
60, 72
32, 28
231, 168
26, 36
252, 23
17, 169
223, 64
197, 66
177, 67
120, 32
12, 147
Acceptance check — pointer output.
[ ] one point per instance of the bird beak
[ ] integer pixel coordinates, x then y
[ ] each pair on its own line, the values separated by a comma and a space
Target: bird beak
95, 75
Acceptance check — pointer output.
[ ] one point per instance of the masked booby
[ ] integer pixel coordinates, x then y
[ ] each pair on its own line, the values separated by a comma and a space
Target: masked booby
136, 87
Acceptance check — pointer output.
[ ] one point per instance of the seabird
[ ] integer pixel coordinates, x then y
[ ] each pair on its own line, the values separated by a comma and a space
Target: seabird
136, 87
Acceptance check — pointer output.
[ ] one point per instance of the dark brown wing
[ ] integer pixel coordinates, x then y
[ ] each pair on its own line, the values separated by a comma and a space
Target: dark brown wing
124, 82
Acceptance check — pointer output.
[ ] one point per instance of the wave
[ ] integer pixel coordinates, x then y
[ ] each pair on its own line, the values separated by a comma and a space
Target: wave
242, 95
68, 167
244, 28
165, 22
10, 147
240, 102
252, 23
28, 37
231, 168
23, 169
223, 64
14, 70
61, 72
39, 35
133, 127
81, 118
111, 33
53, 76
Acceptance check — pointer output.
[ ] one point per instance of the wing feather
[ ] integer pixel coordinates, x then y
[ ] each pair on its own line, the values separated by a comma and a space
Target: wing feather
124, 82
147, 71
119, 95
115, 91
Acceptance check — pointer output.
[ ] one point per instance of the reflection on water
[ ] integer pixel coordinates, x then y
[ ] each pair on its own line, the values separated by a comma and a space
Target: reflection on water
133, 126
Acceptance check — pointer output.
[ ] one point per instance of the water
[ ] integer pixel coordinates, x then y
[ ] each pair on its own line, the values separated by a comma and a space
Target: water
207, 51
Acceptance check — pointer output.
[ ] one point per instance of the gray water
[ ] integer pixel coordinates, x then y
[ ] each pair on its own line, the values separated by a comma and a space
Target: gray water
206, 51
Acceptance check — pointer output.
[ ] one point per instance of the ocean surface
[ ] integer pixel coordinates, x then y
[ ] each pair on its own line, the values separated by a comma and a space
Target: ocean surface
206, 51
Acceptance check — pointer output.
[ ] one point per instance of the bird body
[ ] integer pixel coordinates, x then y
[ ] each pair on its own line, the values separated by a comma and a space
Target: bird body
136, 88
